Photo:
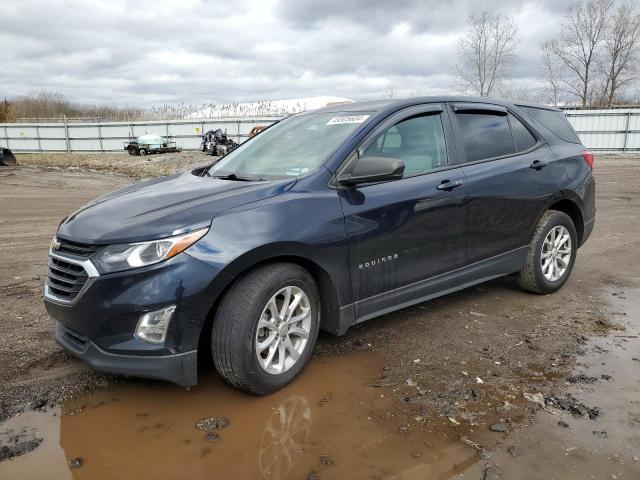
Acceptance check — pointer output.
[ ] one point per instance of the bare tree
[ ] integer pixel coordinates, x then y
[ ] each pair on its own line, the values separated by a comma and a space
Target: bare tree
390, 90
486, 50
524, 92
551, 71
622, 43
579, 44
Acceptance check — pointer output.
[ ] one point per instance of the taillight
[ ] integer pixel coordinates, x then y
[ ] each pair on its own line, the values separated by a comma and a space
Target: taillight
588, 157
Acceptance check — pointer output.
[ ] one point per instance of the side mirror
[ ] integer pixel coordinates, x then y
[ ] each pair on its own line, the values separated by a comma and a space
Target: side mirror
373, 169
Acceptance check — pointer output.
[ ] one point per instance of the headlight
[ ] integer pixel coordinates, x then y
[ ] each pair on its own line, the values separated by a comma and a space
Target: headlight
125, 256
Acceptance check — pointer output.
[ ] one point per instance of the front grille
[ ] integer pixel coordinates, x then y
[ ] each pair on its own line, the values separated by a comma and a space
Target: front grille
65, 279
78, 249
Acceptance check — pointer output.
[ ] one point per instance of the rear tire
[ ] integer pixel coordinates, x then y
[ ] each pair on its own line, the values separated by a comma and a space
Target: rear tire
551, 254
142, 152
255, 348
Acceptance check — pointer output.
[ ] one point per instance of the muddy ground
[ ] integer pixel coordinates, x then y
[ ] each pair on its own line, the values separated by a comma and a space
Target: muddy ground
432, 379
133, 167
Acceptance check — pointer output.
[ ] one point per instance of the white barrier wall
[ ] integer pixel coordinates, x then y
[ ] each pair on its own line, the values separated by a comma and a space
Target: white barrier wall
111, 136
615, 130
599, 130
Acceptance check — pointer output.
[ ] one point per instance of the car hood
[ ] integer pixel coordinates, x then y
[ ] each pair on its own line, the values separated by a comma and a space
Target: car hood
162, 207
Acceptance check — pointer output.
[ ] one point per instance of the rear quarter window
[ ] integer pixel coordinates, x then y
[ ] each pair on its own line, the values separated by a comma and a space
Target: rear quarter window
554, 121
522, 137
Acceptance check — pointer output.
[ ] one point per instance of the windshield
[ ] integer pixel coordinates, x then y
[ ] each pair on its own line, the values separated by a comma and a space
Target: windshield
290, 148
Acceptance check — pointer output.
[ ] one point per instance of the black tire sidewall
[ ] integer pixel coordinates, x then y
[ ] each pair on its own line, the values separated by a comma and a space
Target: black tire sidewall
559, 219
260, 381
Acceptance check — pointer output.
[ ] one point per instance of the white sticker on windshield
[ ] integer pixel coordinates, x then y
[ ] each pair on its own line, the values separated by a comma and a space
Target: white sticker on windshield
296, 171
347, 119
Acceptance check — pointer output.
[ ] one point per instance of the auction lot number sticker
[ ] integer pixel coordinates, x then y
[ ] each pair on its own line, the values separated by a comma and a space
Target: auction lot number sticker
347, 119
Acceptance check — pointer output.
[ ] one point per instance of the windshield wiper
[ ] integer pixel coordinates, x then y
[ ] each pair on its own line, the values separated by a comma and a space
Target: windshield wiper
233, 176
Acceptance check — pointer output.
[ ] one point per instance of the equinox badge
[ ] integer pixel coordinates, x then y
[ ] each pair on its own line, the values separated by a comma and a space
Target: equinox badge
378, 261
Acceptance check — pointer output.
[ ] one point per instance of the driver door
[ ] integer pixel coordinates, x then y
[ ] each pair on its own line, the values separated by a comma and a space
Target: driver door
404, 235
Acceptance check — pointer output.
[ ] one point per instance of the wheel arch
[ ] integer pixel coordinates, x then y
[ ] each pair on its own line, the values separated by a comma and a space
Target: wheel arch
330, 319
572, 209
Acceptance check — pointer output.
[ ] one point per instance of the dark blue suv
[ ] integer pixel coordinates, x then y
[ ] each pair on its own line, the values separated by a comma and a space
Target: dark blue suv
324, 220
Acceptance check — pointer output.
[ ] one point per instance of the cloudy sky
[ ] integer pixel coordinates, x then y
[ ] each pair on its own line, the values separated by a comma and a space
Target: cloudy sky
193, 51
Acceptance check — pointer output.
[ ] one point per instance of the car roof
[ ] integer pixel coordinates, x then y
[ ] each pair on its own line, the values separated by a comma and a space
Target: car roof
394, 104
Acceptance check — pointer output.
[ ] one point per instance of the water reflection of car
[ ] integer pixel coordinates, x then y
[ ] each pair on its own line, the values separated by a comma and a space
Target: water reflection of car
323, 220
284, 436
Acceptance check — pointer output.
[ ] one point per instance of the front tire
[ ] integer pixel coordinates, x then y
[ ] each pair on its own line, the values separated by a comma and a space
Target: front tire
266, 327
551, 254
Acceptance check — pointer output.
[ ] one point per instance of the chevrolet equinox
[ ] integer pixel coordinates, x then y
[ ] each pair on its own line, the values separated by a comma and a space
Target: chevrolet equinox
325, 219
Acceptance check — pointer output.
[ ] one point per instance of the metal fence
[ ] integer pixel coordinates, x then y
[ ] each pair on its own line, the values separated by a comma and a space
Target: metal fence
111, 136
615, 130
600, 130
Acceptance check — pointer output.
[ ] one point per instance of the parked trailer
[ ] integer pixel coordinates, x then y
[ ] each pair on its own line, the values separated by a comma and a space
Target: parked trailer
146, 144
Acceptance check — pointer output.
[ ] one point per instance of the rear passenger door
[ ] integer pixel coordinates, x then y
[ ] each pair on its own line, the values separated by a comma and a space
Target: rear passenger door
510, 176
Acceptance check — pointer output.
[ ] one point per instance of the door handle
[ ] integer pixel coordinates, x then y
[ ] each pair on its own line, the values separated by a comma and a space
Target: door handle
538, 165
449, 185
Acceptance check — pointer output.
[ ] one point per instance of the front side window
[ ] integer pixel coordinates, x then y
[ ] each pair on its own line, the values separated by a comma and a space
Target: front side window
485, 135
290, 148
417, 141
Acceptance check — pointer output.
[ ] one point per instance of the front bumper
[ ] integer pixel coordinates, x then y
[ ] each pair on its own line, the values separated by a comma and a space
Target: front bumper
181, 368
99, 325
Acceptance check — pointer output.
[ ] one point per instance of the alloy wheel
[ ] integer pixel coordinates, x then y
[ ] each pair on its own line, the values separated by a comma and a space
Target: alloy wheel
556, 253
283, 330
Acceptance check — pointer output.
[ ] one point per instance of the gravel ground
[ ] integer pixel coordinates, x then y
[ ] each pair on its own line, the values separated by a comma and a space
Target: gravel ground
510, 340
119, 163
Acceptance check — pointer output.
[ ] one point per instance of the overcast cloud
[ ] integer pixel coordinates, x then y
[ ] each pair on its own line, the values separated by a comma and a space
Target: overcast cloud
194, 51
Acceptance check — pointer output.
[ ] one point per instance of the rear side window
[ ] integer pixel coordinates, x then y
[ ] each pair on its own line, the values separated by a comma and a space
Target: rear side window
485, 135
554, 121
522, 137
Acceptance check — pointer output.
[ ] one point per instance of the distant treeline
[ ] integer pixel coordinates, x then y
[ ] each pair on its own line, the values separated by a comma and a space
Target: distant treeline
50, 106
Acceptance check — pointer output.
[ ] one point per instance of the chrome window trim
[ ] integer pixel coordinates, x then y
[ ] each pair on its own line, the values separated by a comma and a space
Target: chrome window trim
89, 268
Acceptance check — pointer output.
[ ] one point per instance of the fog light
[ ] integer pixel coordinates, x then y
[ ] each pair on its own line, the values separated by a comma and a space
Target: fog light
152, 326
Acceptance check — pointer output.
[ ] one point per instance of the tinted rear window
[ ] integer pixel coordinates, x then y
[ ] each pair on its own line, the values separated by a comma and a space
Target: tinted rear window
485, 135
521, 135
554, 121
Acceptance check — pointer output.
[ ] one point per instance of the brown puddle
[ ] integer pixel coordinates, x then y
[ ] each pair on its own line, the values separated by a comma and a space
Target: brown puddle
333, 423
327, 421
46, 461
